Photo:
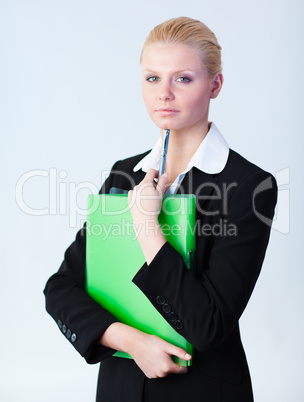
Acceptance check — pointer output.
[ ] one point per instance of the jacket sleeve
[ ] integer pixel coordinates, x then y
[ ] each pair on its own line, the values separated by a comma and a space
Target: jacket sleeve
207, 306
78, 316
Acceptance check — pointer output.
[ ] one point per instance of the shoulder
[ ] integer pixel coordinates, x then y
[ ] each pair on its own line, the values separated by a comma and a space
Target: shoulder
239, 166
249, 182
240, 170
122, 176
127, 164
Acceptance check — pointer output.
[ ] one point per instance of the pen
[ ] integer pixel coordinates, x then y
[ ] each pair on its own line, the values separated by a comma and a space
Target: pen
163, 153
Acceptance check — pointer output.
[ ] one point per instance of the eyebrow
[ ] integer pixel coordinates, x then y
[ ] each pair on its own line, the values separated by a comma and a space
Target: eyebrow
174, 72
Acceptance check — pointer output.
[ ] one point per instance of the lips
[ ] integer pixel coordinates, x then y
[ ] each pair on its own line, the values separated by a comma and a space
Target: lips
167, 111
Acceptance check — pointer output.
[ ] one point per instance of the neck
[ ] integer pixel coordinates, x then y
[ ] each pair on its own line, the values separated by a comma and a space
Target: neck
182, 146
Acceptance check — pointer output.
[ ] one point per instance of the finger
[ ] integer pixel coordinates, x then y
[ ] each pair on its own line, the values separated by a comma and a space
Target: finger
130, 195
162, 183
179, 369
181, 353
151, 175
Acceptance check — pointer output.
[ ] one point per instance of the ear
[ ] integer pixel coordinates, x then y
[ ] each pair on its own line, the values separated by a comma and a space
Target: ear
217, 83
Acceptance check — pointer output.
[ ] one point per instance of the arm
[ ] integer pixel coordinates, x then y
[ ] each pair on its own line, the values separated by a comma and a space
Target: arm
79, 317
210, 304
145, 203
157, 362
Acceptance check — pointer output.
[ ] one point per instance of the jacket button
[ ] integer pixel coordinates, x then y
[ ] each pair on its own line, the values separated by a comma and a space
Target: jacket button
160, 300
73, 338
59, 322
64, 328
172, 316
179, 324
166, 308
68, 333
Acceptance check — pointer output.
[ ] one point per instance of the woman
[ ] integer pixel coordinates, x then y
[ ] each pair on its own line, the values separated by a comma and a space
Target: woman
181, 72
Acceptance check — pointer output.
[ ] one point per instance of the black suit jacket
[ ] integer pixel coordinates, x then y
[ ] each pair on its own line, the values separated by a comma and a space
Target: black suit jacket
234, 212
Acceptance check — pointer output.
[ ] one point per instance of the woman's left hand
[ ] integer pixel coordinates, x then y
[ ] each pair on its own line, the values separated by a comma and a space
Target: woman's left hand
145, 203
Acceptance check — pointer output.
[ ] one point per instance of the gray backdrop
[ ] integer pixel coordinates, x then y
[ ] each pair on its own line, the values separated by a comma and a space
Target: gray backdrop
71, 106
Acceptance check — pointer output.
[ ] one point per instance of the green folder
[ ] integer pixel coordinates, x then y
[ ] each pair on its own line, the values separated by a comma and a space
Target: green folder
114, 256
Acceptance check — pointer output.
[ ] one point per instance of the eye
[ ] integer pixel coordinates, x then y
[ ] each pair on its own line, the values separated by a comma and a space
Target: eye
184, 79
152, 79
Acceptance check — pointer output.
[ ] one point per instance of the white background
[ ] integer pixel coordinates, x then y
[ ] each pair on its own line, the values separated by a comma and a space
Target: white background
71, 106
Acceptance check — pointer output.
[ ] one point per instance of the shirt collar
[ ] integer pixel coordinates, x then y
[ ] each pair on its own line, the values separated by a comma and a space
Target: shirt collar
210, 157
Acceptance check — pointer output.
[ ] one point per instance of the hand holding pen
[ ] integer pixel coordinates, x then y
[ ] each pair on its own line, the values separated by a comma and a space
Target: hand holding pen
145, 203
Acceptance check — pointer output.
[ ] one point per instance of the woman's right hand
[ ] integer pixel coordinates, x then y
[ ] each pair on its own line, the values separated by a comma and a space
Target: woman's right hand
153, 356
151, 353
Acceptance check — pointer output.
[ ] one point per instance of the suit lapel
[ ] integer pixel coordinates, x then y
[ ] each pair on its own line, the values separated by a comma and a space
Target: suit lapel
139, 176
201, 184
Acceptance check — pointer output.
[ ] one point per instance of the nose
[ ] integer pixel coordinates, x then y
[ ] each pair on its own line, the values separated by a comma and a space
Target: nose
165, 92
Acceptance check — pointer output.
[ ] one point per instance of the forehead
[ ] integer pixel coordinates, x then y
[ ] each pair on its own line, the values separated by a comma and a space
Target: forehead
162, 56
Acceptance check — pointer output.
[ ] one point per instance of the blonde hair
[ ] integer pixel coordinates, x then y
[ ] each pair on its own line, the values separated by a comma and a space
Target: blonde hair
189, 32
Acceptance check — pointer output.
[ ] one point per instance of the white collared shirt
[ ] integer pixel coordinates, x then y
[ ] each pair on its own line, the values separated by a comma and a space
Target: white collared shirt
210, 157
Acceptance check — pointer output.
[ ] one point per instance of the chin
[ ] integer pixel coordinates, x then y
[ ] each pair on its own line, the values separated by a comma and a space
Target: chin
171, 127
168, 125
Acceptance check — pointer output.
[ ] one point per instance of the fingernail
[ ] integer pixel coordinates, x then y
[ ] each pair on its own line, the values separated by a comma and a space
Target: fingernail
166, 175
187, 356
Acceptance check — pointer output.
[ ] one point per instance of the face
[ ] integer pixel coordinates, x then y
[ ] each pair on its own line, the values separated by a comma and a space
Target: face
176, 87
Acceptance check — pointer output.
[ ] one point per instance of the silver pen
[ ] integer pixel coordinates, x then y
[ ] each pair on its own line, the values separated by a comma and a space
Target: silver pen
163, 153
